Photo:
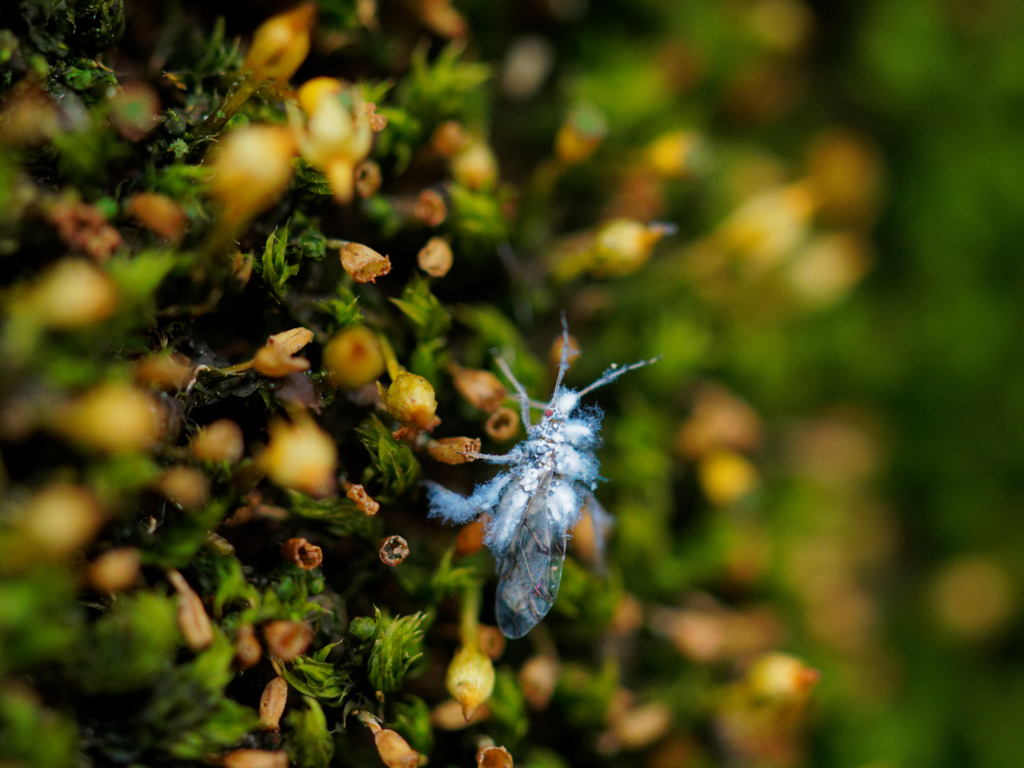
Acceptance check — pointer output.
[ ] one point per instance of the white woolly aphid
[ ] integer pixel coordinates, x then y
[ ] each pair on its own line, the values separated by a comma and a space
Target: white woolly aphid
538, 499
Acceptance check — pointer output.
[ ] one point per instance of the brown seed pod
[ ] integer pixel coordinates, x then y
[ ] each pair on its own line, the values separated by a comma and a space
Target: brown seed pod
491, 641
287, 639
302, 553
493, 757
481, 389
248, 650
255, 758
362, 500
220, 441
272, 703
193, 622
367, 178
470, 538
430, 208
449, 138
502, 424
454, 450
160, 215
435, 258
363, 263
115, 570
393, 550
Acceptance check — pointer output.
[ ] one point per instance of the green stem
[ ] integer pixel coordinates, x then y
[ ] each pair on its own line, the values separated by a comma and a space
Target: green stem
470, 617
236, 97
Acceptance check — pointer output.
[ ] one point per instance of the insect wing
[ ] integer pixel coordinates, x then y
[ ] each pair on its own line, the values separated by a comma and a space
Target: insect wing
531, 568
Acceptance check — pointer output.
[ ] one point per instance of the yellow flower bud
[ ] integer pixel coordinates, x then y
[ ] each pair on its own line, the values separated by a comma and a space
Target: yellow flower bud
410, 399
280, 45
781, 677
580, 135
454, 450
333, 139
185, 486
68, 295
220, 441
470, 678
672, 155
726, 477
623, 245
354, 358
769, 225
300, 456
363, 263
251, 168
160, 215
476, 167
61, 518
115, 570
435, 258
113, 418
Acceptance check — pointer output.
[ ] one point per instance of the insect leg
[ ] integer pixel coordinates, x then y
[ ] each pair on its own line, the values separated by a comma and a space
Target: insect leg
524, 398
563, 364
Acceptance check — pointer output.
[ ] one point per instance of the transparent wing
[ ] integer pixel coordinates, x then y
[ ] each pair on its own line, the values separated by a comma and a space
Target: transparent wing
531, 567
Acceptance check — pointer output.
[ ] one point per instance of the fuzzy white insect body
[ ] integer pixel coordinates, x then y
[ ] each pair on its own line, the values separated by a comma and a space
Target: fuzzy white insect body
535, 503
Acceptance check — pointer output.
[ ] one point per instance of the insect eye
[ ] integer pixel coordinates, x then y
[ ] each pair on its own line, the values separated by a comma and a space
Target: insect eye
549, 413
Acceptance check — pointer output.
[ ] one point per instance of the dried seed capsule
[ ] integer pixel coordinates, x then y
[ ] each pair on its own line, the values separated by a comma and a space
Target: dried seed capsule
272, 703
435, 258
440, 17
394, 751
491, 641
639, 727
481, 389
168, 371
470, 679
470, 538
364, 264
300, 456
449, 138
454, 450
220, 441
255, 758
280, 45
61, 518
185, 486
362, 500
367, 178
116, 570
430, 208
354, 358
493, 757
287, 639
71, 294
538, 678
302, 553
410, 399
193, 622
502, 425
393, 550
248, 650
275, 361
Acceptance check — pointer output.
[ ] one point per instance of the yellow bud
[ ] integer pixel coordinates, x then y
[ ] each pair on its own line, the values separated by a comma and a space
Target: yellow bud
363, 263
781, 677
435, 258
454, 450
115, 570
280, 45
287, 639
769, 225
726, 477
220, 441
272, 702
251, 168
185, 486
70, 294
476, 167
334, 138
580, 134
470, 679
623, 245
61, 518
300, 456
410, 399
113, 418
353, 358
672, 155
160, 215
481, 389
827, 267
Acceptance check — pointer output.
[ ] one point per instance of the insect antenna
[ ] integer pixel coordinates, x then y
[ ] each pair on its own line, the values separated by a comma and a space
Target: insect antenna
614, 372
563, 364
524, 398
